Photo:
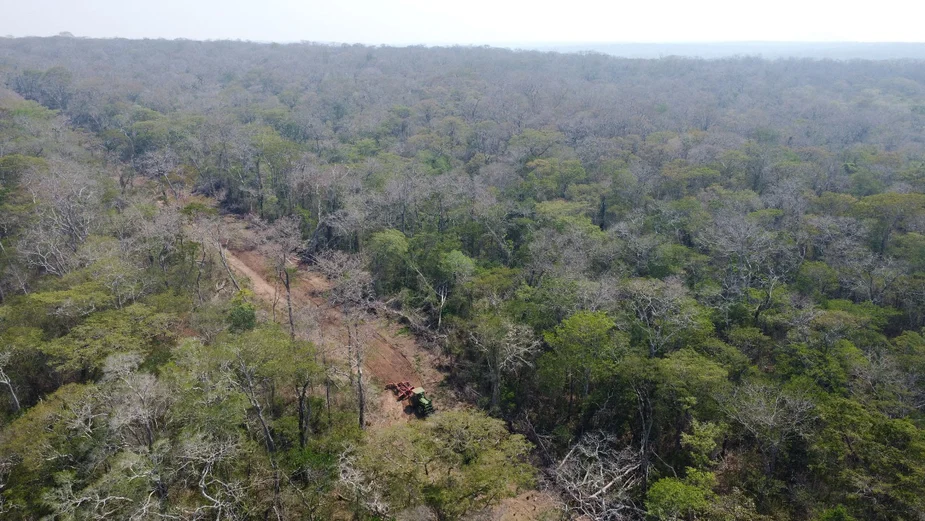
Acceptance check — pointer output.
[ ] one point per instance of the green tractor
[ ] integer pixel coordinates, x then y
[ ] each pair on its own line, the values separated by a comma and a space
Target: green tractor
423, 406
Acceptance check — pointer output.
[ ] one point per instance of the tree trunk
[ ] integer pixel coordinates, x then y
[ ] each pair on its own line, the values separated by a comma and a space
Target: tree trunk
176, 193
495, 389
259, 190
287, 283
361, 391
221, 254
327, 382
5, 380
251, 393
199, 276
305, 414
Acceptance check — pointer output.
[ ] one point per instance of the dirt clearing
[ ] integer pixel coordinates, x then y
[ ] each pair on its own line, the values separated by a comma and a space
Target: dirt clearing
390, 352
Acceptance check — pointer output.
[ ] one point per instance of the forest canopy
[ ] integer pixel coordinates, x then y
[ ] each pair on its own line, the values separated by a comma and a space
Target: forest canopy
653, 289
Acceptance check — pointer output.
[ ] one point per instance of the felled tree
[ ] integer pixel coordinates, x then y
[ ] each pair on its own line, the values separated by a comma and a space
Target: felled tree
598, 478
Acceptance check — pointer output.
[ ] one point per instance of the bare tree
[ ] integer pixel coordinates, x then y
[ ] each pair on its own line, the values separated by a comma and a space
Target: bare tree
867, 275
160, 165
662, 307
751, 256
598, 478
212, 231
203, 456
92, 503
506, 349
320, 189
353, 292
5, 378
243, 375
66, 211
279, 242
139, 401
773, 416
361, 489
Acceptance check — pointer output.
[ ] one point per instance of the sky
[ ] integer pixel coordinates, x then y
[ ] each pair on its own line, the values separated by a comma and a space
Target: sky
466, 22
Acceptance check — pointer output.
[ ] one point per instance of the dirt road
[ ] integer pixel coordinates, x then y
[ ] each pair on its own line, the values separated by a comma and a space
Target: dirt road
390, 353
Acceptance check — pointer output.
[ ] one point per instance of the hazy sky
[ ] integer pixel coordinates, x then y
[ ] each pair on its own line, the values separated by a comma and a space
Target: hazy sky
471, 21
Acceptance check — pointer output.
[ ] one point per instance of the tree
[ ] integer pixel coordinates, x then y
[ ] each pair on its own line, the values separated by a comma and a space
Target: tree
388, 253
353, 291
5, 379
247, 362
673, 499
138, 400
160, 165
280, 241
750, 255
584, 348
890, 212
52, 88
299, 370
506, 347
663, 311
455, 463
65, 216
873, 463
772, 416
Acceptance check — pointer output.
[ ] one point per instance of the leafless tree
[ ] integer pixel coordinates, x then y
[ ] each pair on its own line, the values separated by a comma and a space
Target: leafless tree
279, 241
7, 463
865, 274
89, 503
138, 401
160, 165
751, 256
361, 489
242, 373
67, 212
772, 415
204, 455
320, 188
662, 307
214, 233
506, 350
353, 292
5, 357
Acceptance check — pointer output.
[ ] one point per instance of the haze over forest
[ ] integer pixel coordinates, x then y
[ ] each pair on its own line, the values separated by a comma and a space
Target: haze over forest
652, 281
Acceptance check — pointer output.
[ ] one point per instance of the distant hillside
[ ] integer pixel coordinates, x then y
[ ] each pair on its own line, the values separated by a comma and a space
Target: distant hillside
820, 50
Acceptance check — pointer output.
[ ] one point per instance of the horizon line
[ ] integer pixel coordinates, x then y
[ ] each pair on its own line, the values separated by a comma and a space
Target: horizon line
67, 34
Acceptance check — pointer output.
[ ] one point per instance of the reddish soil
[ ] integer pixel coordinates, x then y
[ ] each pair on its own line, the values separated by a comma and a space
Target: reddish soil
258, 283
390, 353
532, 505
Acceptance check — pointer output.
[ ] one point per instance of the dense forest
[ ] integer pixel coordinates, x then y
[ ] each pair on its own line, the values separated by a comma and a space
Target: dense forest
668, 289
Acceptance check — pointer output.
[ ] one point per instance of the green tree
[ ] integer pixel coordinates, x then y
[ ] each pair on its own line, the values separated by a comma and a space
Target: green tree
673, 499
388, 252
455, 463
891, 212
585, 348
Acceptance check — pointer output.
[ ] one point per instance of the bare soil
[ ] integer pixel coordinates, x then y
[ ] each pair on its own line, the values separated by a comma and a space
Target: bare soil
391, 354
532, 505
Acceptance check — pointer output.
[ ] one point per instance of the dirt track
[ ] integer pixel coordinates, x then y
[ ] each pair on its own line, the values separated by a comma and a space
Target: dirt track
390, 355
